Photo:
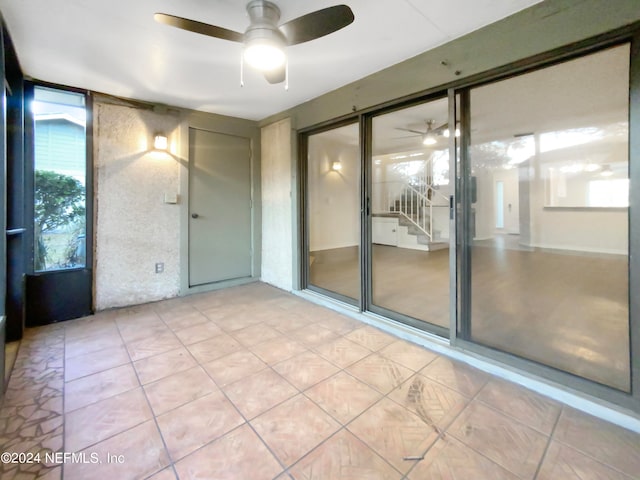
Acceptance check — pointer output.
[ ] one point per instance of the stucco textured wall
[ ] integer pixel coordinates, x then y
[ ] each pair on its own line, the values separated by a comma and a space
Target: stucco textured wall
134, 227
277, 260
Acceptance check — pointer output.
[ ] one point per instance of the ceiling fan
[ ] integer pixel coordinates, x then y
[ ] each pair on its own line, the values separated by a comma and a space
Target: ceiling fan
264, 40
430, 136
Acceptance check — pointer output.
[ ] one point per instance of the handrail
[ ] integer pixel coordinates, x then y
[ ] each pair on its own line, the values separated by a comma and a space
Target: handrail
404, 184
410, 202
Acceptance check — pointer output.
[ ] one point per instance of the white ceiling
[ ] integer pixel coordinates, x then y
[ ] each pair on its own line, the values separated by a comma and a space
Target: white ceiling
116, 47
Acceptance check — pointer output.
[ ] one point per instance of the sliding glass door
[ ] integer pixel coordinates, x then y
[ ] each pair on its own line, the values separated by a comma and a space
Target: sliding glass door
409, 214
531, 178
547, 216
398, 265
333, 212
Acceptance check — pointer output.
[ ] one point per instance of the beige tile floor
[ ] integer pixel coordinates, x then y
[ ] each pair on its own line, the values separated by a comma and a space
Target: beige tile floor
254, 383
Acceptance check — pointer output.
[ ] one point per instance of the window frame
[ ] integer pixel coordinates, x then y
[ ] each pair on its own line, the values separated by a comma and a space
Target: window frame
30, 87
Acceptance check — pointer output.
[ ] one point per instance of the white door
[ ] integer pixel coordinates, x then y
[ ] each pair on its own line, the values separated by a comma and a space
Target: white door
219, 207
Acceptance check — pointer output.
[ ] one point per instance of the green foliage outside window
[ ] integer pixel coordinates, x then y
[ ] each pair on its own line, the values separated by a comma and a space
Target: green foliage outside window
59, 221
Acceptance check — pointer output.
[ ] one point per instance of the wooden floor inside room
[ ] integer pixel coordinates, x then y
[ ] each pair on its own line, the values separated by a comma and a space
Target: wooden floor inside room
565, 309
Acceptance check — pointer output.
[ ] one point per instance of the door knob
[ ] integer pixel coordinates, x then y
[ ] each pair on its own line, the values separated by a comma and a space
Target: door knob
194, 215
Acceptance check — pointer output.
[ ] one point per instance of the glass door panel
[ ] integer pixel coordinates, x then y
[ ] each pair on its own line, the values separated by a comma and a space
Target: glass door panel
333, 212
409, 212
548, 216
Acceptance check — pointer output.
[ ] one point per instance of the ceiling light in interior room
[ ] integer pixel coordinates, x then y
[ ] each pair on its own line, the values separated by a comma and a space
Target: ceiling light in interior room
337, 166
447, 133
160, 142
429, 139
429, 136
592, 167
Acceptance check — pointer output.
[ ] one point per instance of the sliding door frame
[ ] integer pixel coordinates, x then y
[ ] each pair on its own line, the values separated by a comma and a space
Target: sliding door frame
462, 335
368, 305
634, 223
460, 215
365, 302
303, 149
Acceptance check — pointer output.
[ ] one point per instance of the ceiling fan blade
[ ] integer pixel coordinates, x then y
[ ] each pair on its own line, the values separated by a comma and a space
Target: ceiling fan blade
316, 24
441, 128
199, 27
409, 130
278, 75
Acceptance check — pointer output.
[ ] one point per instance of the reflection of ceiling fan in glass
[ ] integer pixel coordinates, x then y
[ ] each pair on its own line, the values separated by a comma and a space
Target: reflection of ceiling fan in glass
430, 136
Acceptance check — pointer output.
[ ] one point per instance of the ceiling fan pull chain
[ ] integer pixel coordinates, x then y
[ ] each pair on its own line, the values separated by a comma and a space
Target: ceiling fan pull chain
286, 75
242, 70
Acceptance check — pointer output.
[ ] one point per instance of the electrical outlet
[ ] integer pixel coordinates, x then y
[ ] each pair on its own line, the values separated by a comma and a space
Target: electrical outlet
159, 267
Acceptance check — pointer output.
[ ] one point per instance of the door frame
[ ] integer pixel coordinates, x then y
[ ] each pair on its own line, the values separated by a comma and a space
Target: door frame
226, 126
433, 96
193, 132
462, 334
365, 304
14, 205
460, 219
303, 199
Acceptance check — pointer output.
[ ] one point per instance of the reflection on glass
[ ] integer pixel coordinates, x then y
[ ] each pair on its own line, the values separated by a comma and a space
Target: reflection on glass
60, 175
549, 277
410, 212
333, 188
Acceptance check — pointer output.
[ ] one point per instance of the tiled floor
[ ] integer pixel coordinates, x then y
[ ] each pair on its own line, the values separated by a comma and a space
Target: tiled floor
254, 383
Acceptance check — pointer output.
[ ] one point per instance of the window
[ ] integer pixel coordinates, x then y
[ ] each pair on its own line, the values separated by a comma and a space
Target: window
59, 179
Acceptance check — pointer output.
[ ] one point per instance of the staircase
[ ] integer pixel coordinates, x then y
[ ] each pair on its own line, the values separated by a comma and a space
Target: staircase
418, 214
435, 242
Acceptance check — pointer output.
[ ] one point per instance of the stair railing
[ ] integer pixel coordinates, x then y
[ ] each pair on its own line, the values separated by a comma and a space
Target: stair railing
412, 204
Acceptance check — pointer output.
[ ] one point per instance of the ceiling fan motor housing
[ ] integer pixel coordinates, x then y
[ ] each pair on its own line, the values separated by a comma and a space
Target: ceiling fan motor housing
263, 28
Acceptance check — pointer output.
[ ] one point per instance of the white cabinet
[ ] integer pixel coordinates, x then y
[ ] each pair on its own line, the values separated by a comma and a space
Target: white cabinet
384, 230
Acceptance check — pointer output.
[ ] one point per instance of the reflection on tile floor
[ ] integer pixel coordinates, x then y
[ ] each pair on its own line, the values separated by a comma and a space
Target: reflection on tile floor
254, 383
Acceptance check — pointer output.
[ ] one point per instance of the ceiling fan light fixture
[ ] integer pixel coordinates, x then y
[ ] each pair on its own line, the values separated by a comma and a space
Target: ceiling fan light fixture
265, 39
264, 44
264, 55
429, 139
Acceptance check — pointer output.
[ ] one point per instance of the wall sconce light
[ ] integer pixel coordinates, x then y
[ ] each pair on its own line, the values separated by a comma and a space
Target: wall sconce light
337, 166
160, 142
